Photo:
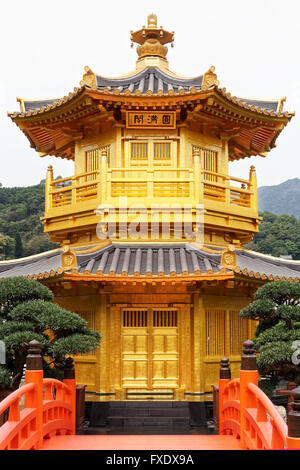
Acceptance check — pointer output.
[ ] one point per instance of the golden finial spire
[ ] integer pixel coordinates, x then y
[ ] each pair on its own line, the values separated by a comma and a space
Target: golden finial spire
152, 39
152, 21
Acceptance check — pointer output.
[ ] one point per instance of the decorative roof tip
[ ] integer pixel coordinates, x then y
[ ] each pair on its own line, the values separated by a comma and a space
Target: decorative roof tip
210, 79
281, 104
89, 79
152, 39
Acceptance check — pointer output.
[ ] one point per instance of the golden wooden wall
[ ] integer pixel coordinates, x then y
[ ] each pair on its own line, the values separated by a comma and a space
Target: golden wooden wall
218, 331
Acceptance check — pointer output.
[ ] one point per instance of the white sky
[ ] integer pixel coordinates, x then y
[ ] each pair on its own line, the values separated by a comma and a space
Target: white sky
254, 45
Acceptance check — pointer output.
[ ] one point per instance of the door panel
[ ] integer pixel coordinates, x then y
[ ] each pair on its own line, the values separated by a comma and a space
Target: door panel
150, 349
165, 357
135, 357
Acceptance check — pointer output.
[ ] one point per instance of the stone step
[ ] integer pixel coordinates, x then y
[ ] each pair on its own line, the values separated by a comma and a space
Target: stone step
147, 421
132, 412
148, 404
144, 413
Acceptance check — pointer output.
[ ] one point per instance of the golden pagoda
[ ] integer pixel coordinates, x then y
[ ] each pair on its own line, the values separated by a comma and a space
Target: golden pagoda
149, 148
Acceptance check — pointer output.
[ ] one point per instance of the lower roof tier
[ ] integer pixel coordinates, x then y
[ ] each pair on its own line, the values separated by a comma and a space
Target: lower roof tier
116, 261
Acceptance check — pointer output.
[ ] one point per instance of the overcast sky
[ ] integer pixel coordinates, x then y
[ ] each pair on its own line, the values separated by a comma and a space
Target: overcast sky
254, 45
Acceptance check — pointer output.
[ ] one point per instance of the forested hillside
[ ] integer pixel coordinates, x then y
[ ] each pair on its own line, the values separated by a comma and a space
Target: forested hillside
21, 231
283, 198
278, 235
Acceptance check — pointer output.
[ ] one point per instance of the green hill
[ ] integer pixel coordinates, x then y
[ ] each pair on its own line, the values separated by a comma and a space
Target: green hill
279, 235
283, 198
21, 231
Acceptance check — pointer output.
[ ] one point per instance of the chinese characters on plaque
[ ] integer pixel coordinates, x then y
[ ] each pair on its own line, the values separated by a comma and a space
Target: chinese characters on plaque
151, 120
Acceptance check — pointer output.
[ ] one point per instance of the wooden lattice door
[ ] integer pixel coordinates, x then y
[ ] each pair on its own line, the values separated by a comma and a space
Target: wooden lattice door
149, 349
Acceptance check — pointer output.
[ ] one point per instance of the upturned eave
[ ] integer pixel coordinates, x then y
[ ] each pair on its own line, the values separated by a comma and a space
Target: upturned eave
258, 128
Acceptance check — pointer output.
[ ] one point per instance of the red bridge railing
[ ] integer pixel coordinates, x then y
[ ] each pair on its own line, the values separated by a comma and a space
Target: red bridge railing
49, 406
248, 414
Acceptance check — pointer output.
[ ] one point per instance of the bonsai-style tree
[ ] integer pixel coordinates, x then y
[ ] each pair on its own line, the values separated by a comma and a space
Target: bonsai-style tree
27, 312
277, 337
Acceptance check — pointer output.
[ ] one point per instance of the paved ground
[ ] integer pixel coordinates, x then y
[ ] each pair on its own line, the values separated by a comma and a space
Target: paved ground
142, 442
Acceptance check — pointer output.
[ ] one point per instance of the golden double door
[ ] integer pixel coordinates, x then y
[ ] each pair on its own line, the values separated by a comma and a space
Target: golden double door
150, 349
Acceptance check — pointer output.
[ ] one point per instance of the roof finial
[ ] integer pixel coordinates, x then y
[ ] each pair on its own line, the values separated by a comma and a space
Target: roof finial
152, 39
152, 21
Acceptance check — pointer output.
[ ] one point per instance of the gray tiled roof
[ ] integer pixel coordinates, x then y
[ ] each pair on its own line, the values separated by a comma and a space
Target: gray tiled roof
262, 104
154, 80
45, 262
267, 265
154, 260
149, 259
38, 104
120, 259
151, 79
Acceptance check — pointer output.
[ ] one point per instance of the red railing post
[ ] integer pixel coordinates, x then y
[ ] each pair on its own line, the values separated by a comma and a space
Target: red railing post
69, 380
293, 439
225, 377
34, 374
248, 373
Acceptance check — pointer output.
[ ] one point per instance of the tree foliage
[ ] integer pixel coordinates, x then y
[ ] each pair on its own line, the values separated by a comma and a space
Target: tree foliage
7, 246
21, 231
28, 312
18, 246
277, 309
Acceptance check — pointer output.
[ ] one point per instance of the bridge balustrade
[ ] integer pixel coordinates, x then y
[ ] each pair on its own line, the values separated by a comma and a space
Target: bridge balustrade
246, 413
48, 410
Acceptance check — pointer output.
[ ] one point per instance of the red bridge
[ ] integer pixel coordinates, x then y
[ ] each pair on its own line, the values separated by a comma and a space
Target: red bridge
247, 418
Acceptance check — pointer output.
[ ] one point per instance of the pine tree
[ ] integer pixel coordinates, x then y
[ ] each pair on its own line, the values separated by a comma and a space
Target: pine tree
27, 312
18, 246
277, 337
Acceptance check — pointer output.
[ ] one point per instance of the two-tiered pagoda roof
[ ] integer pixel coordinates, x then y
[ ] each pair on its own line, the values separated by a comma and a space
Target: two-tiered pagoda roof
54, 125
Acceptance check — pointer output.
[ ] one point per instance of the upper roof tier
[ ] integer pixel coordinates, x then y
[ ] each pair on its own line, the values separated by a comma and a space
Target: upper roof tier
53, 125
154, 81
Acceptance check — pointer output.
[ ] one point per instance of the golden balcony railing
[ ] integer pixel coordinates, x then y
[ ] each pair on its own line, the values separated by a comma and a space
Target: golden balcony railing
73, 190
220, 188
180, 184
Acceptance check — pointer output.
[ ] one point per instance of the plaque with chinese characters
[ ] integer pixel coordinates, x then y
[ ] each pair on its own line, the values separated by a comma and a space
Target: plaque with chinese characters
151, 120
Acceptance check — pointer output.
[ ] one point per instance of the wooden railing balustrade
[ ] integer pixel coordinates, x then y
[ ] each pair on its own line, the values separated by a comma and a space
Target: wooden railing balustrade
192, 184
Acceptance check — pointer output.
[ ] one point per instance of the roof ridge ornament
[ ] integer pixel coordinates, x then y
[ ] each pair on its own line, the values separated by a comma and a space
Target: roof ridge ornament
89, 79
210, 79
